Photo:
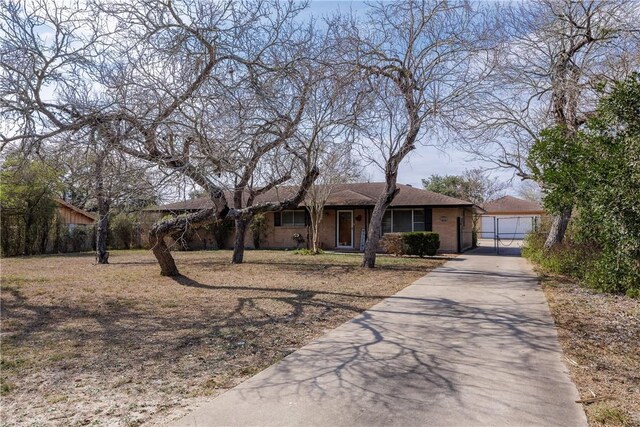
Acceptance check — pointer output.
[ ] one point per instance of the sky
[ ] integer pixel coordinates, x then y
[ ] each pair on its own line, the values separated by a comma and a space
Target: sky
424, 160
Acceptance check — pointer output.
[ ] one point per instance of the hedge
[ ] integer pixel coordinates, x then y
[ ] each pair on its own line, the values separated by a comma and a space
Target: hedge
421, 243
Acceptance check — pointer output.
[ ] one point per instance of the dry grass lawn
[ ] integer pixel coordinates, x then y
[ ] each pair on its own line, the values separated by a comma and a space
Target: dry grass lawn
120, 345
600, 336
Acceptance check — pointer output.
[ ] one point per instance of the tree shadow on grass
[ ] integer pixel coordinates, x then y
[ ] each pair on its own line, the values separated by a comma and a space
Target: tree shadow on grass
298, 294
113, 323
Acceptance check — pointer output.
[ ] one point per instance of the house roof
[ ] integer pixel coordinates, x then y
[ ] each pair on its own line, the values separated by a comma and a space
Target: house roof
512, 205
352, 194
75, 209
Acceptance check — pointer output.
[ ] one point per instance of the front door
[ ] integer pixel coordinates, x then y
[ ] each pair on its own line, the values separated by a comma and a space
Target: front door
345, 229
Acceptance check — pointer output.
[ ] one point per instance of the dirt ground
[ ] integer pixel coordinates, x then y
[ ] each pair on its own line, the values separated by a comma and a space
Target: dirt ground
600, 336
120, 345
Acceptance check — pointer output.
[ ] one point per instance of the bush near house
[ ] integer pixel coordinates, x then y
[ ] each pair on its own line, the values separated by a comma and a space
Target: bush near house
392, 244
259, 228
421, 243
121, 231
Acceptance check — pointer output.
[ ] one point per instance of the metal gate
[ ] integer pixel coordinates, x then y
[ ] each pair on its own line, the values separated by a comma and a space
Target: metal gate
507, 239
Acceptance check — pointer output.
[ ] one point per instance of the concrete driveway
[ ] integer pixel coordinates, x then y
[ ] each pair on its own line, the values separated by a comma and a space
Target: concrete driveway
470, 344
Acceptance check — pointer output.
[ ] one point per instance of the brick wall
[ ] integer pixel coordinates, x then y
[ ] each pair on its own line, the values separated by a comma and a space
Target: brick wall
444, 223
281, 237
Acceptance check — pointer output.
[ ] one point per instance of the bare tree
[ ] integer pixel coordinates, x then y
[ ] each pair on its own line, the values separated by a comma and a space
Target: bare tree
482, 187
258, 134
337, 165
271, 121
475, 185
149, 62
550, 61
335, 105
415, 57
530, 190
101, 180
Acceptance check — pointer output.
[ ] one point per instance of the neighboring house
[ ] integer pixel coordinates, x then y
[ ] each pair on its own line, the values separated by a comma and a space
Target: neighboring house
513, 218
72, 216
77, 233
347, 216
70, 230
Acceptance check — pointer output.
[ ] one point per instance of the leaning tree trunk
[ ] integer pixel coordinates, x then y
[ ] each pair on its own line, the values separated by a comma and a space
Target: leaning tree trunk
162, 253
375, 225
558, 228
177, 225
390, 190
565, 78
238, 243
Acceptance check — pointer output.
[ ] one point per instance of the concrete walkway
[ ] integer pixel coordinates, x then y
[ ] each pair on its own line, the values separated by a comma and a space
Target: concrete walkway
471, 343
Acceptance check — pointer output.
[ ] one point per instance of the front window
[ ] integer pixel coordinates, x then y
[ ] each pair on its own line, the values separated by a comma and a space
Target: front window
403, 220
292, 219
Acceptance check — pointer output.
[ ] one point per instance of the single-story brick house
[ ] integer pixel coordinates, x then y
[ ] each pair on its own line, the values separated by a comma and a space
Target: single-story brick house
513, 218
347, 216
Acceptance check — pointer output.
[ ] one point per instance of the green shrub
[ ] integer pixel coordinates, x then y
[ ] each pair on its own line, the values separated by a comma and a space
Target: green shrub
610, 273
259, 229
79, 237
592, 266
421, 243
121, 228
567, 259
27, 189
305, 251
596, 173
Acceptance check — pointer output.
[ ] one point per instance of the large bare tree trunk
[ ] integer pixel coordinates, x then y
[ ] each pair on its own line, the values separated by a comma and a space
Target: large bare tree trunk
102, 256
238, 243
179, 224
375, 225
163, 255
558, 229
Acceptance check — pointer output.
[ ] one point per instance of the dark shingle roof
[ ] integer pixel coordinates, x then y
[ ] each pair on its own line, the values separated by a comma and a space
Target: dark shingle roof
510, 204
353, 194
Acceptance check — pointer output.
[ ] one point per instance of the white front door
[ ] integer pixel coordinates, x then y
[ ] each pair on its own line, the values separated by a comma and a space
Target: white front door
344, 229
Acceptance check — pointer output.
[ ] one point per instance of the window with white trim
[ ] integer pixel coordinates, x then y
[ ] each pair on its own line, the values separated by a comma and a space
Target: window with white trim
403, 220
290, 219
